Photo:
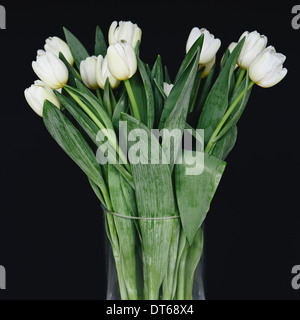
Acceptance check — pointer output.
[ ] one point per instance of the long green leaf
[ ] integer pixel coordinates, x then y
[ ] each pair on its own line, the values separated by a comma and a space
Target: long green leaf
155, 199
217, 101
158, 77
126, 231
91, 129
72, 142
77, 49
177, 107
100, 44
148, 93
195, 192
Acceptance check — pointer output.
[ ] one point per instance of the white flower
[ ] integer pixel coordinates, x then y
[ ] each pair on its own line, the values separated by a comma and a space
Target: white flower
253, 46
88, 72
50, 69
103, 73
210, 44
37, 94
121, 60
168, 88
125, 31
267, 69
57, 45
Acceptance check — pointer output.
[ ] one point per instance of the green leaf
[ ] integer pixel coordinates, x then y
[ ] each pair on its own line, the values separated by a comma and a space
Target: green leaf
195, 192
205, 90
224, 146
125, 230
189, 57
121, 107
72, 73
192, 260
217, 101
137, 85
155, 199
177, 105
72, 142
167, 76
91, 129
158, 80
100, 44
148, 93
77, 49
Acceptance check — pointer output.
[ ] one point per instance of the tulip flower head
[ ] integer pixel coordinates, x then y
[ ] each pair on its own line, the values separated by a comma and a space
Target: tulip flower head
57, 45
50, 69
121, 60
37, 94
88, 72
267, 69
103, 73
168, 88
125, 31
210, 44
253, 46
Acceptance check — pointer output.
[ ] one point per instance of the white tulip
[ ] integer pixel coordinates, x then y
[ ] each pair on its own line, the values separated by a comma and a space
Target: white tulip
103, 73
57, 45
210, 44
88, 72
267, 69
37, 94
50, 69
125, 31
168, 88
121, 60
253, 46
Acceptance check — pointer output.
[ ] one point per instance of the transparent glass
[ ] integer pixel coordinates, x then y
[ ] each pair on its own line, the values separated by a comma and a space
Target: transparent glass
113, 288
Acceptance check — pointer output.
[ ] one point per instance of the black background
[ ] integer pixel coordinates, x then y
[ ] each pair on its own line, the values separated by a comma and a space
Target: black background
51, 232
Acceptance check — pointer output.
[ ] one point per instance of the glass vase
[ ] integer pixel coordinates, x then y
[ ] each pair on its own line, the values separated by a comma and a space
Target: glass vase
195, 277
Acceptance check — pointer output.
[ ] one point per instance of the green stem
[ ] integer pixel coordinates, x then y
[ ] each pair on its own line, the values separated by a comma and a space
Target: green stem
239, 80
99, 95
134, 106
225, 118
78, 74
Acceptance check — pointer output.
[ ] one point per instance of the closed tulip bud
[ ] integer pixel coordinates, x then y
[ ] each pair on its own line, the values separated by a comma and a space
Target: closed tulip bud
50, 69
253, 46
231, 47
210, 44
126, 31
103, 73
267, 69
37, 94
57, 45
168, 88
88, 72
121, 60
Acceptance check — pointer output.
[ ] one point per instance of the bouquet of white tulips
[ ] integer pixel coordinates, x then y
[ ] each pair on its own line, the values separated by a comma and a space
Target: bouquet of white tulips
153, 149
